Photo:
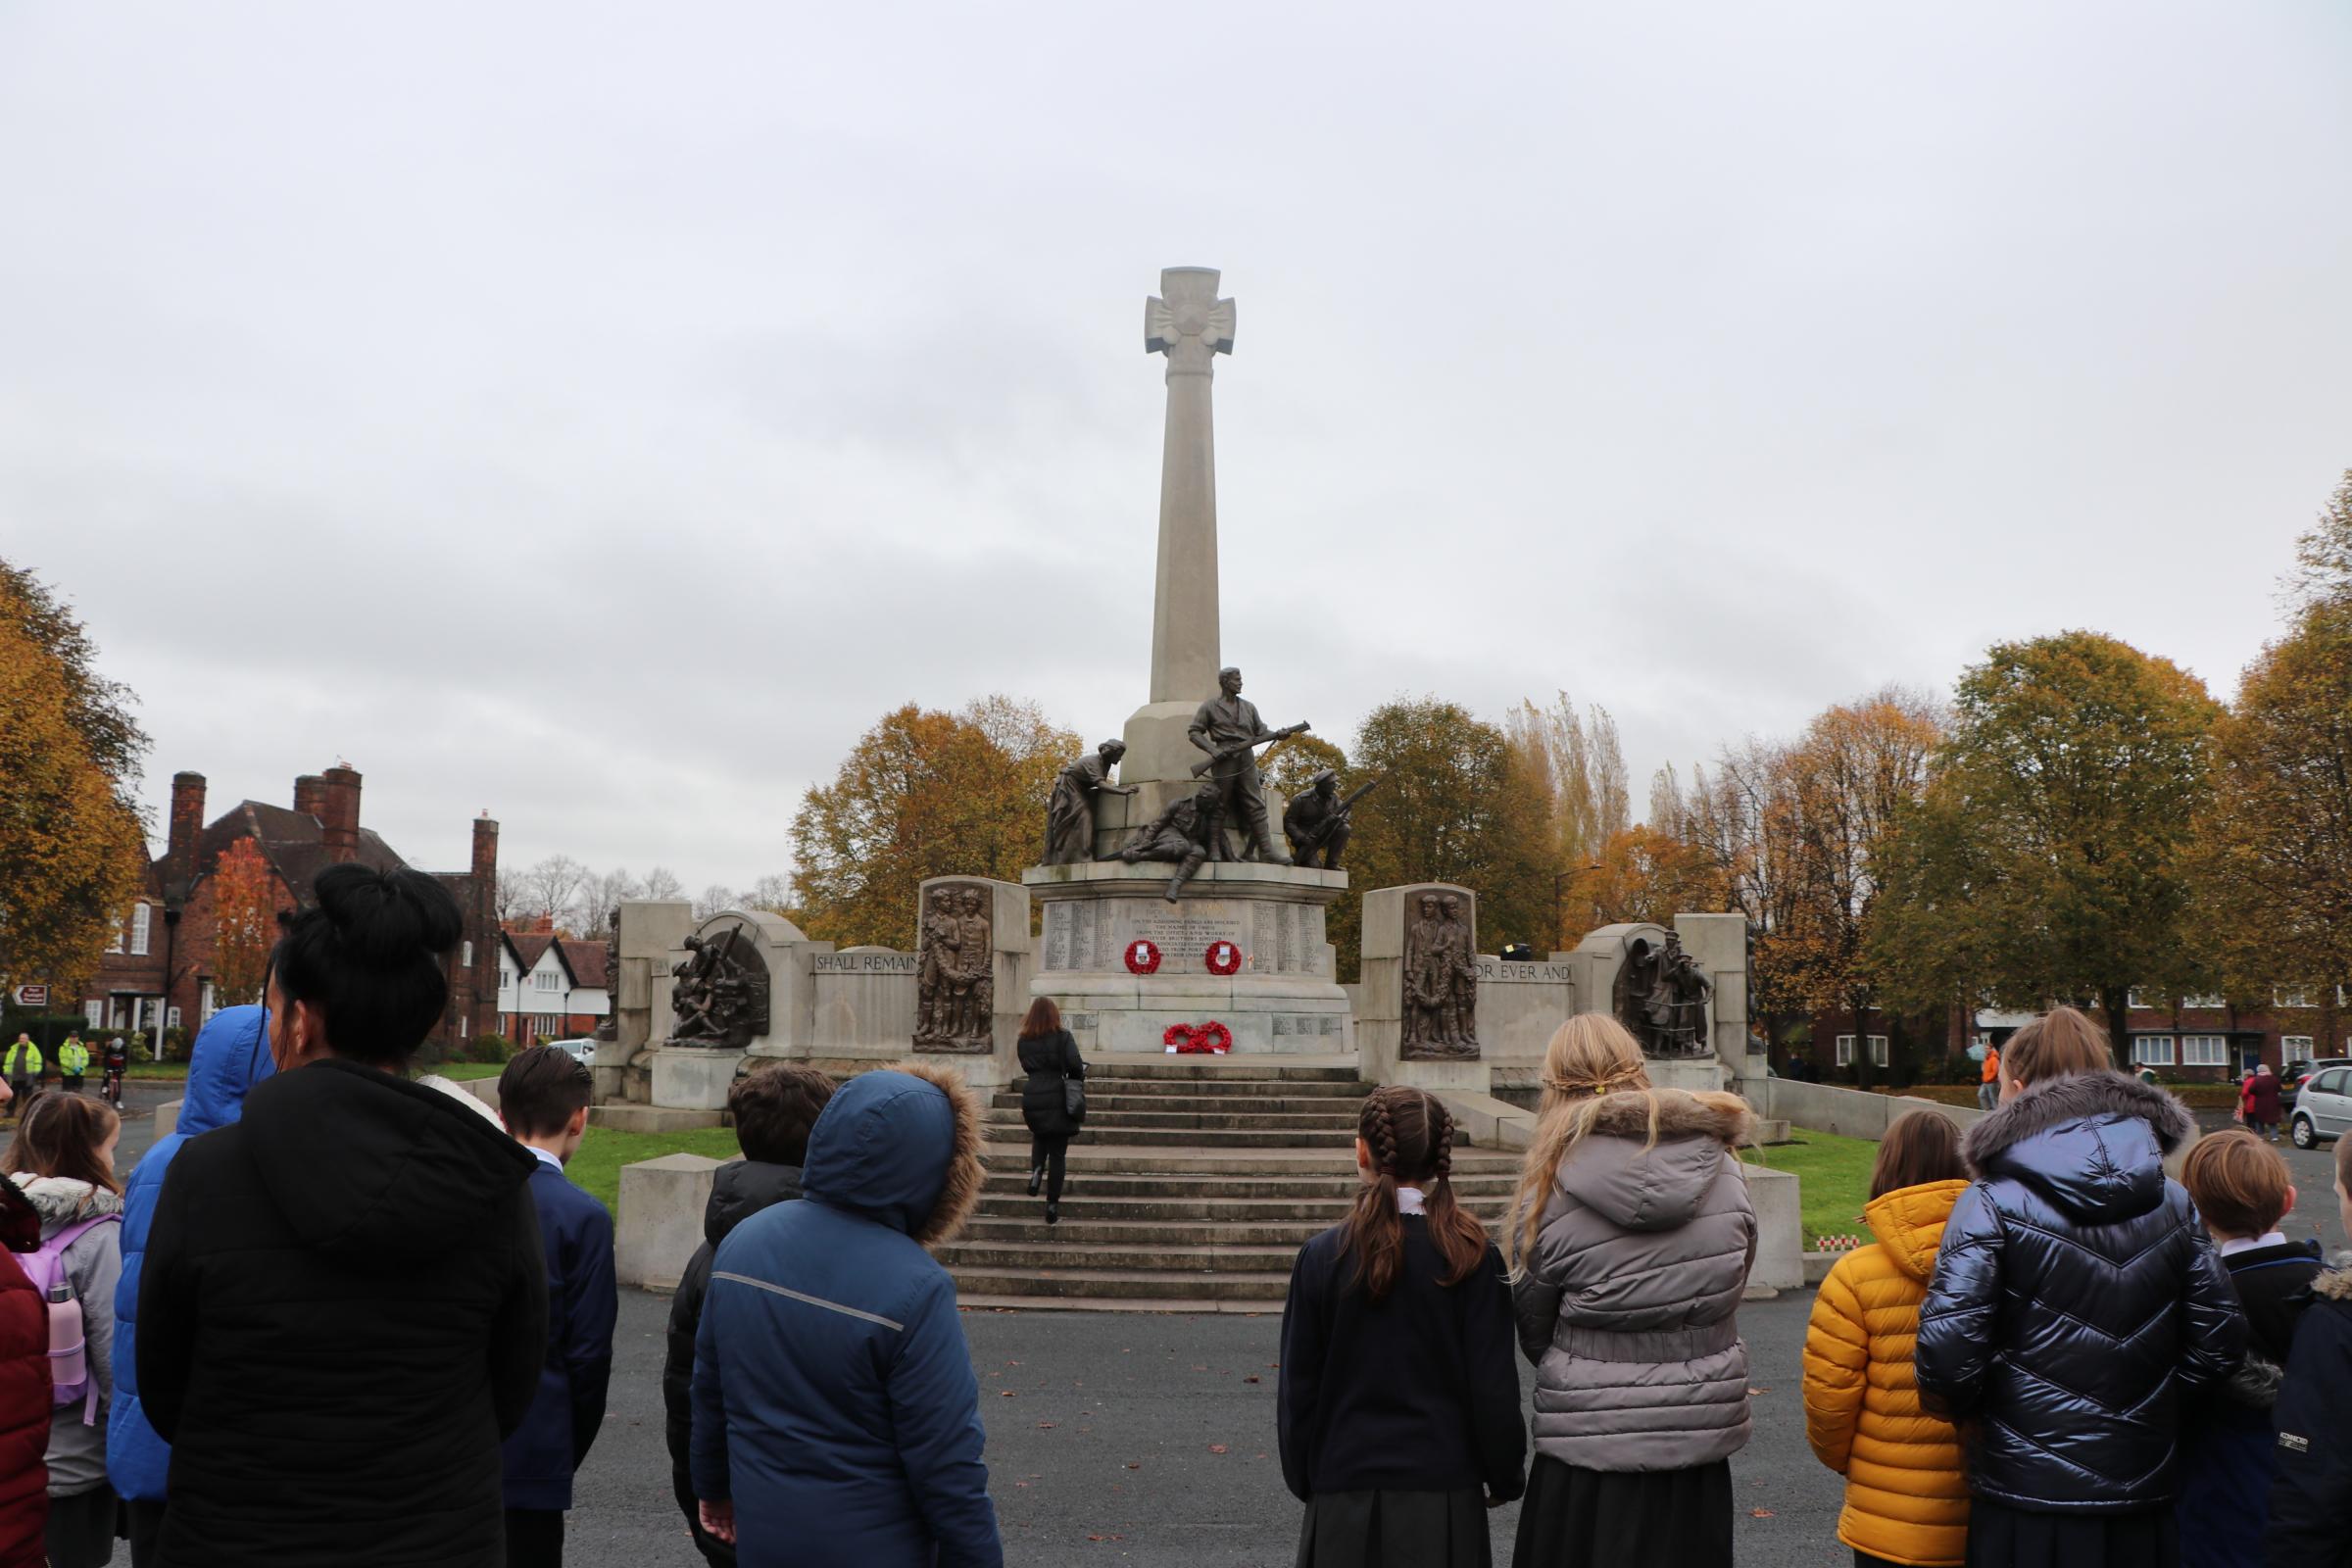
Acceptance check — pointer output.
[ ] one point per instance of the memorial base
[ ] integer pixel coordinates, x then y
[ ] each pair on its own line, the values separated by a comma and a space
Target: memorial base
1694, 1074
693, 1077
1281, 998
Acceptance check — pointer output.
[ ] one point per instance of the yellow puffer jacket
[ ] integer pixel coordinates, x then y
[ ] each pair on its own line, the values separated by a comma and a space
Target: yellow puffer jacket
1906, 1494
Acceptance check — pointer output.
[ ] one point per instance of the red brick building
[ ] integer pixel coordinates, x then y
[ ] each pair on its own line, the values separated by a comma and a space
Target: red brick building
162, 966
550, 987
2194, 1040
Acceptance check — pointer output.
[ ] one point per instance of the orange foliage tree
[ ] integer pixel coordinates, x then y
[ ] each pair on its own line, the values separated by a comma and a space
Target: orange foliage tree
246, 898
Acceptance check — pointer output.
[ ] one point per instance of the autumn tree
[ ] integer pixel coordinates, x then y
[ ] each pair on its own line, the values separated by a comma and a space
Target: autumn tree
923, 794
2051, 856
246, 898
1298, 760
72, 853
1641, 874
1574, 763
1455, 805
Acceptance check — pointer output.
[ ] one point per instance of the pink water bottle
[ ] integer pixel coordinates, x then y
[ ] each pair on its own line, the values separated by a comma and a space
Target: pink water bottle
69, 1365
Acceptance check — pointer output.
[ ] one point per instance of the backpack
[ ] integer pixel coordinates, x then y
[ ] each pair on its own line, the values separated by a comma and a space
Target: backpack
69, 1379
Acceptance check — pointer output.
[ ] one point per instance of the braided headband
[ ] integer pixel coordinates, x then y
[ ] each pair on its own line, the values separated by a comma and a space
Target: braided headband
1602, 1086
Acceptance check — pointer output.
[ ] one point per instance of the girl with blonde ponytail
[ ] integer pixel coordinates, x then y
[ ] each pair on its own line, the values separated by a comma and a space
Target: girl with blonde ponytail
1631, 1240
1399, 1405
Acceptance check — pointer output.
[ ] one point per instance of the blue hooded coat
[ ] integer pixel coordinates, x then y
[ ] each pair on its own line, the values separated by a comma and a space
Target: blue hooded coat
231, 1056
834, 1400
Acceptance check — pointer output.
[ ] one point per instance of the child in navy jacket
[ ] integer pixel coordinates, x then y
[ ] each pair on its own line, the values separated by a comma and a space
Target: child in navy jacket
543, 1097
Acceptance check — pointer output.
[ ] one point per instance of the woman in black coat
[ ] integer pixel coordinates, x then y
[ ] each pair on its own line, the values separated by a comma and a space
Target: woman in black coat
1052, 1102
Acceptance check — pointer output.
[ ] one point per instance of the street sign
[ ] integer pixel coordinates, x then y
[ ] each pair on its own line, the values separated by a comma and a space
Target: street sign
32, 995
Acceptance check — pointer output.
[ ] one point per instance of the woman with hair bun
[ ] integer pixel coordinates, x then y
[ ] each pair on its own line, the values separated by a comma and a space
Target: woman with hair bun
343, 1309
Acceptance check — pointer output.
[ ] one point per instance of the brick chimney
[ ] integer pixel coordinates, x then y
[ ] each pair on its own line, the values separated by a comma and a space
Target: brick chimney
310, 795
339, 814
187, 825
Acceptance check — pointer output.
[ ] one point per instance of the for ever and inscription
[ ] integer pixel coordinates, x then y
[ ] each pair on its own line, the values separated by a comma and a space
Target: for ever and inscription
1494, 971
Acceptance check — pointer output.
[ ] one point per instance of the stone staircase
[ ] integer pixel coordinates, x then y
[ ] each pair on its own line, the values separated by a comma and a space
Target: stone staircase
1190, 1190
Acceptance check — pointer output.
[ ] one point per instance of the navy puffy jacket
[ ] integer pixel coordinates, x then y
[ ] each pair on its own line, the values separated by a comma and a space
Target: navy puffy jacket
834, 1400
2076, 1298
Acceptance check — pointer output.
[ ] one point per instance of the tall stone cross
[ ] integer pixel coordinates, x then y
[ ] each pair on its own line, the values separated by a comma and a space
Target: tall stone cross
1191, 327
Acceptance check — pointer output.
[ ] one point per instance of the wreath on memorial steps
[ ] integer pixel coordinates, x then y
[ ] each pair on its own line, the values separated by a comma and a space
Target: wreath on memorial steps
1143, 957
1223, 957
1210, 1039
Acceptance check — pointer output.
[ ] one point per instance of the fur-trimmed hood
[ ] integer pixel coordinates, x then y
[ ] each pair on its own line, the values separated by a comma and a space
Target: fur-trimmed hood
2335, 1282
901, 1147
61, 1201
2091, 1143
1639, 1183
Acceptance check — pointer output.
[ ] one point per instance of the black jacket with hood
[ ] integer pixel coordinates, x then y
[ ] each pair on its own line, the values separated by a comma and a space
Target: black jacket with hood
2076, 1299
2311, 1499
741, 1189
344, 1309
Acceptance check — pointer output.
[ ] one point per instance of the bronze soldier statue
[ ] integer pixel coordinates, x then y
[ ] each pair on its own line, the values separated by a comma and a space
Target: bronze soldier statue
1227, 728
1190, 833
1318, 821
1070, 813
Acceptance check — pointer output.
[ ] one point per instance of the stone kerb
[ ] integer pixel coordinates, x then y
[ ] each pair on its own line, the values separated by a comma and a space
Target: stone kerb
1382, 1026
658, 1219
1011, 960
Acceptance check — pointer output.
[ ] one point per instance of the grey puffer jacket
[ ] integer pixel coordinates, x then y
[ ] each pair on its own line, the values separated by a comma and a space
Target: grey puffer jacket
1627, 1302
93, 1265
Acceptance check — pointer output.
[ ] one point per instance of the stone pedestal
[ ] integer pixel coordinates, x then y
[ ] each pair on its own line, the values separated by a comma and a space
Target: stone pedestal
864, 1005
1282, 998
989, 1059
650, 928
1383, 1026
657, 1221
1696, 1074
694, 1077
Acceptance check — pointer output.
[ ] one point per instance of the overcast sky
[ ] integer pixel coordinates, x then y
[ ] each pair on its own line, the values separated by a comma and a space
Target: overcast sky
601, 414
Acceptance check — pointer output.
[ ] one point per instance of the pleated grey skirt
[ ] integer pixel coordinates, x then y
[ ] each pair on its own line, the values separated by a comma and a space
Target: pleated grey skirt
1395, 1529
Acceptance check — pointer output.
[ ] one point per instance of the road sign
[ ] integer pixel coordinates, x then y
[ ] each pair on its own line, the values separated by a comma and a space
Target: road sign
32, 995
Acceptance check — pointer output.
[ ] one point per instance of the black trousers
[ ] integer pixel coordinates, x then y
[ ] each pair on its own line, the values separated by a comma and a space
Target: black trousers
1052, 1157
146, 1531
534, 1538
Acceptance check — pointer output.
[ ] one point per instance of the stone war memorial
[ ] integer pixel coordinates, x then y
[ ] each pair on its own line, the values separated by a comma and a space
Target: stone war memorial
1178, 908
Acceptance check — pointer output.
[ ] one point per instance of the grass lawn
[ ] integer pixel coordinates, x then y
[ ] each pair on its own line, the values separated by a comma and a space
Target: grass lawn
597, 1166
1835, 1173
463, 1072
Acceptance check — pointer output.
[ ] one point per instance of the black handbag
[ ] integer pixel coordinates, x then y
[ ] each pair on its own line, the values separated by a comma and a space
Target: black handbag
1073, 1097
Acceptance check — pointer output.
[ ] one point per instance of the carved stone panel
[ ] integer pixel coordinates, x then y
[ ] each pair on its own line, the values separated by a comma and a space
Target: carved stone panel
955, 970
720, 991
1441, 980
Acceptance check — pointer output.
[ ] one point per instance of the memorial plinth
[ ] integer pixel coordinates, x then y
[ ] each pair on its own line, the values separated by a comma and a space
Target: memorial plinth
1282, 994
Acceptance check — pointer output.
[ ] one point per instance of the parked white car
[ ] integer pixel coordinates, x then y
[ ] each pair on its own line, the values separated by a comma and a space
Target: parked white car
577, 1049
2322, 1107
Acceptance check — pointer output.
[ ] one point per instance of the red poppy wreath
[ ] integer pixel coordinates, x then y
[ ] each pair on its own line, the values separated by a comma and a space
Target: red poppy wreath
1223, 957
1143, 957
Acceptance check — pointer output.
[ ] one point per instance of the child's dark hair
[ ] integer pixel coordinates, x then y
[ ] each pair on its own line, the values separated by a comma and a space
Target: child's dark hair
1920, 1146
366, 954
541, 1090
59, 1134
1412, 1139
775, 1108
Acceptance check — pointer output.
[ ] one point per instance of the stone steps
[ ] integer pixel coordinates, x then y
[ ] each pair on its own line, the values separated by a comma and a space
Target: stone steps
1191, 1188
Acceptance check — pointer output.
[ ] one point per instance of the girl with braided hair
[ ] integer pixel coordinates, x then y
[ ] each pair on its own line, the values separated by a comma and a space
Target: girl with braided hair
1631, 1240
1399, 1405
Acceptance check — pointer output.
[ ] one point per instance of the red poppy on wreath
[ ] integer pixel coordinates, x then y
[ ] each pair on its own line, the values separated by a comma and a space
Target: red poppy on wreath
1223, 957
1143, 957
1177, 1037
1213, 1037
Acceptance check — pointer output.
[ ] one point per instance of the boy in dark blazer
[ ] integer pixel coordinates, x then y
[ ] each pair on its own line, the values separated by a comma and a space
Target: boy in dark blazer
543, 1097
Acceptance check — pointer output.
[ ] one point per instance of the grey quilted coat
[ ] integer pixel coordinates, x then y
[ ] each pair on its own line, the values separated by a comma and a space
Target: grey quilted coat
1627, 1302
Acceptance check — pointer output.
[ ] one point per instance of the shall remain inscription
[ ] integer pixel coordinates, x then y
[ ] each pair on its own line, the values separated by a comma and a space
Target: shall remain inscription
867, 963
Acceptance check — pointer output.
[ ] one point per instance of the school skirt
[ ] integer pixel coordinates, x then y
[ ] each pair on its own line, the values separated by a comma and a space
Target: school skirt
2019, 1538
1395, 1529
1574, 1518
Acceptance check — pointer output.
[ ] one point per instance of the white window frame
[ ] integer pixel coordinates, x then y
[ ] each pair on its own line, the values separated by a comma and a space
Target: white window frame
2146, 1051
2137, 998
2297, 1048
206, 1006
93, 1012
463, 1025
1845, 1050
546, 980
2204, 1051
119, 934
143, 928
1878, 1050
2208, 1001
2290, 995
466, 957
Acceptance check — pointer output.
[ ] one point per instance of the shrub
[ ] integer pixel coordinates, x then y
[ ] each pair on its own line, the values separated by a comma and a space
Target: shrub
175, 1044
492, 1049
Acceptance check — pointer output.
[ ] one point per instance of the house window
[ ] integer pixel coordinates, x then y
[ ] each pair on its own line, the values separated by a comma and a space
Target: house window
2137, 998
2290, 997
466, 957
547, 980
2205, 1001
141, 917
206, 1006
2294, 1048
95, 1013
115, 928
1845, 1050
505, 978
462, 1023
2204, 1051
2152, 1051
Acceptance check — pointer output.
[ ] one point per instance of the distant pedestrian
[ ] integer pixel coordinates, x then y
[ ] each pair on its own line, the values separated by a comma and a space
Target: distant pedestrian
62, 1160
2228, 1449
2311, 1501
774, 1107
1398, 1409
543, 1096
73, 1064
25, 1403
836, 1418
230, 1055
1988, 1091
1906, 1494
1052, 1098
343, 1307
2075, 1283
22, 1066
2260, 1100
1633, 1235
